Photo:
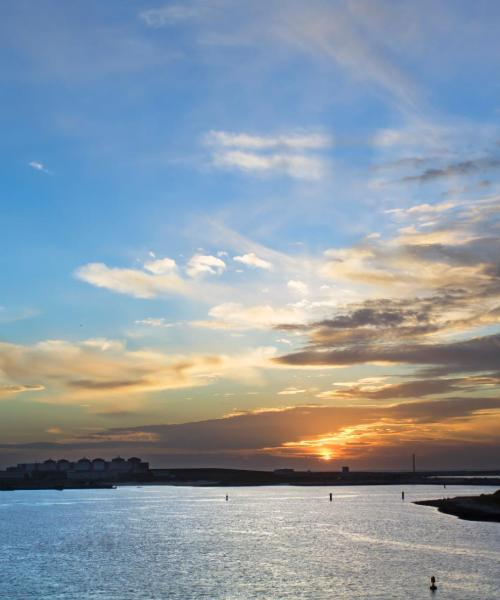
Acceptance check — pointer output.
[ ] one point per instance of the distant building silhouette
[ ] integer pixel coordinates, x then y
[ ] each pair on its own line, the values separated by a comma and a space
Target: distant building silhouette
83, 469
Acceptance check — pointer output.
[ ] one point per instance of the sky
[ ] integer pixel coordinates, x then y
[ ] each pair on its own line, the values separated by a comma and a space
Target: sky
251, 234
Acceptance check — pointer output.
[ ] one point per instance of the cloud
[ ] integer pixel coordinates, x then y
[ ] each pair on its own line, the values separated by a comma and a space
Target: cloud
295, 141
354, 37
54, 430
297, 166
291, 391
133, 282
457, 250
98, 370
169, 15
38, 166
422, 296
159, 277
8, 390
252, 260
477, 354
289, 154
463, 168
201, 264
422, 210
161, 266
154, 322
368, 435
10, 315
299, 287
236, 316
418, 388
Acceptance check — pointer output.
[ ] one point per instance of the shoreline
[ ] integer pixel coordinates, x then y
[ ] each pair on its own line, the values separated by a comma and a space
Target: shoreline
485, 507
213, 477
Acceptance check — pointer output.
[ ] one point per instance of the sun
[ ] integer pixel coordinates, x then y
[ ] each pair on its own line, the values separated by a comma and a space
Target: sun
326, 455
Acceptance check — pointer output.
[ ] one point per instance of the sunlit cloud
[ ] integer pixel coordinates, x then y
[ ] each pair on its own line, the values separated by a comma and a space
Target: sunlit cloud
233, 315
54, 430
154, 322
380, 389
299, 287
8, 390
201, 264
134, 282
291, 391
392, 294
161, 266
422, 210
364, 435
98, 369
252, 260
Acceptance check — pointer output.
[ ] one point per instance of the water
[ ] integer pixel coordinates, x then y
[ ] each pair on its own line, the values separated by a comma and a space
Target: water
171, 543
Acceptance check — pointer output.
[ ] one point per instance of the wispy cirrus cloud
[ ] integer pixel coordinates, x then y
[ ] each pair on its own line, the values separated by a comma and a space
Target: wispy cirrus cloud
9, 314
154, 322
468, 167
422, 210
296, 166
8, 390
353, 38
292, 154
170, 14
291, 391
295, 141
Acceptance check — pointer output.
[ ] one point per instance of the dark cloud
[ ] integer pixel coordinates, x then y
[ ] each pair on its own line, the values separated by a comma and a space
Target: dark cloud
444, 433
478, 354
435, 411
366, 316
468, 167
409, 161
411, 389
410, 317
476, 252
118, 414
90, 384
268, 429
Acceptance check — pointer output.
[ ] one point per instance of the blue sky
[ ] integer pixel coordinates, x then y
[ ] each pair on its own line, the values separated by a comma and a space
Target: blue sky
218, 208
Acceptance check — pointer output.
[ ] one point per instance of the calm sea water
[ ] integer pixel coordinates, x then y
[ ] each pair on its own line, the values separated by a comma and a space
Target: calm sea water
168, 543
